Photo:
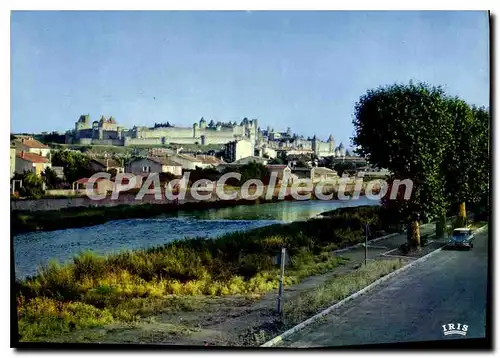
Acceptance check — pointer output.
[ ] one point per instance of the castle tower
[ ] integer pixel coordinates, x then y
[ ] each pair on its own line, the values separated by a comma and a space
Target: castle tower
203, 123
331, 144
83, 122
314, 145
195, 130
255, 127
341, 150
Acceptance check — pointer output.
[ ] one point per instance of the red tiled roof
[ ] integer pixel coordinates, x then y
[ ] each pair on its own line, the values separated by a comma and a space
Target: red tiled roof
111, 163
209, 159
187, 157
85, 180
164, 161
276, 166
30, 157
33, 143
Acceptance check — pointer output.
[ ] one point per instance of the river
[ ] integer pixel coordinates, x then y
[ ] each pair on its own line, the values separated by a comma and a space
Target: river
34, 249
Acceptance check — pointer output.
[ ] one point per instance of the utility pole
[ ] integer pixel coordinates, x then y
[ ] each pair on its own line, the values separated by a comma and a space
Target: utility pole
282, 274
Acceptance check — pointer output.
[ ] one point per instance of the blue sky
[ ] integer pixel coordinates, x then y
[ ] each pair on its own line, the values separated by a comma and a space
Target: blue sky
305, 70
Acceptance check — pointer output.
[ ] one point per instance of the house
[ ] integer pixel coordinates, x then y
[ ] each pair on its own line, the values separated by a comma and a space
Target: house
187, 162
154, 165
209, 160
12, 160
267, 152
316, 174
104, 165
126, 177
238, 149
284, 172
101, 185
374, 172
322, 173
31, 162
251, 159
301, 173
30, 145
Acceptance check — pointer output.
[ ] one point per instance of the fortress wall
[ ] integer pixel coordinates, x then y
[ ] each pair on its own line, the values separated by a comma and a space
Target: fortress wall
219, 139
171, 132
109, 134
179, 132
107, 142
84, 141
85, 133
184, 140
142, 141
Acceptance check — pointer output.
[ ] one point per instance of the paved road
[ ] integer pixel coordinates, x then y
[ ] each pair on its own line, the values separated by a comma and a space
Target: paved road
449, 287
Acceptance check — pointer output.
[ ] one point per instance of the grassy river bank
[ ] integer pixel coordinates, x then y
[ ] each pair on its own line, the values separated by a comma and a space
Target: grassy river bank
95, 291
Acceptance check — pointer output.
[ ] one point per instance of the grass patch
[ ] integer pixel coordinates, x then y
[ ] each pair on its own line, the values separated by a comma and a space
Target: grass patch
336, 289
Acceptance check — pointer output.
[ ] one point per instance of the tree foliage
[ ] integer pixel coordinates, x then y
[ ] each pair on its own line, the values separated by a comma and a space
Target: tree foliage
249, 171
467, 164
32, 184
76, 165
406, 129
50, 178
439, 142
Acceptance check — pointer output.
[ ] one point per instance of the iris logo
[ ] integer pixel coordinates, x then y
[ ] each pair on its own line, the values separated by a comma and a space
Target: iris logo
455, 328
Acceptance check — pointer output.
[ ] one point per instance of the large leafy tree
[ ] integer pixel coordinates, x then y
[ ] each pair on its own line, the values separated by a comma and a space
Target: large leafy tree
406, 129
76, 165
32, 184
50, 178
467, 160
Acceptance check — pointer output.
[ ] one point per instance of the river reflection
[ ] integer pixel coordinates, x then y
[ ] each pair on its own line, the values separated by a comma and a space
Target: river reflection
34, 249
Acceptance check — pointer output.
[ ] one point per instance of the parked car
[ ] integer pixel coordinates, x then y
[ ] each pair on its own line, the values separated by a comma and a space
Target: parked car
461, 238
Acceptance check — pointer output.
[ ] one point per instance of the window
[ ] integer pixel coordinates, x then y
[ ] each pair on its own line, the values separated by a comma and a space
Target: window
146, 169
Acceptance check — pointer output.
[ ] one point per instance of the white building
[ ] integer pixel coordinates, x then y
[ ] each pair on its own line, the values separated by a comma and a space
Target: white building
154, 165
251, 159
238, 149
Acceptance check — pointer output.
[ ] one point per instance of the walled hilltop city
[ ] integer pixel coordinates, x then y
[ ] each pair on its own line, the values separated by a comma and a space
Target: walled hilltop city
106, 131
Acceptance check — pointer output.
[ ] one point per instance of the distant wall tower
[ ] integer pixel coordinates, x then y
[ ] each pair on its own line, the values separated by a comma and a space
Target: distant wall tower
331, 144
83, 122
314, 145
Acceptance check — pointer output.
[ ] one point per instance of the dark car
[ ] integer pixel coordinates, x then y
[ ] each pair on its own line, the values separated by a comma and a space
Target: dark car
461, 238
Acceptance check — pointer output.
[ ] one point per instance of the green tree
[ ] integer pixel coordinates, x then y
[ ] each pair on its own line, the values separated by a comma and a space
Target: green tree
276, 160
344, 167
76, 165
32, 184
406, 129
467, 159
50, 178
248, 171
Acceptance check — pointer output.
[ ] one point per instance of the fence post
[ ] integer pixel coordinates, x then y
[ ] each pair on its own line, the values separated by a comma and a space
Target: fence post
282, 274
